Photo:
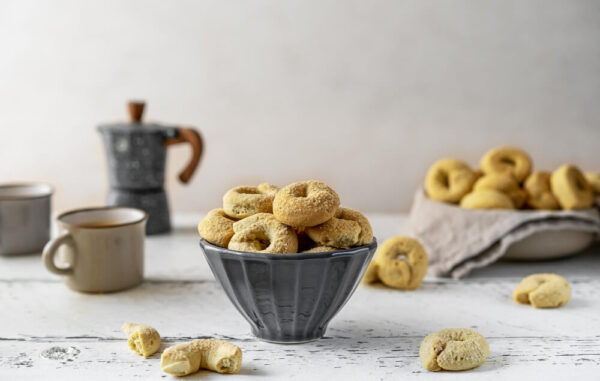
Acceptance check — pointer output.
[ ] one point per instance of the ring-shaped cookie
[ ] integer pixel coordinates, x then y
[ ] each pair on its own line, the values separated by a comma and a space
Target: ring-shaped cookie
211, 354
543, 291
244, 201
453, 349
262, 233
593, 179
505, 183
570, 188
507, 160
216, 227
487, 199
320, 249
372, 273
401, 263
347, 228
448, 180
305, 203
539, 195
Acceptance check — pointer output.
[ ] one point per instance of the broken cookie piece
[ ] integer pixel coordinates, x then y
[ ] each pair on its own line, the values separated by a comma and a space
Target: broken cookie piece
187, 358
142, 338
543, 291
453, 349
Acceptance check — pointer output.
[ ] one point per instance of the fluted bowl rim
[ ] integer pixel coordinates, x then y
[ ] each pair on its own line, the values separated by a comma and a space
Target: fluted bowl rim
293, 256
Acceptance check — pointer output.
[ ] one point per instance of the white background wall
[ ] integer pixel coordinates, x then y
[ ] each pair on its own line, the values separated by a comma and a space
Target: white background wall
361, 94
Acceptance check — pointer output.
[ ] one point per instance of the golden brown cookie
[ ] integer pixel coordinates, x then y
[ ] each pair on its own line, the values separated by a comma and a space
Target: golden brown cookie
142, 338
507, 160
453, 349
543, 291
305, 203
505, 183
401, 263
262, 233
570, 188
347, 228
448, 180
187, 358
593, 178
244, 201
487, 199
539, 195
217, 227
321, 249
372, 273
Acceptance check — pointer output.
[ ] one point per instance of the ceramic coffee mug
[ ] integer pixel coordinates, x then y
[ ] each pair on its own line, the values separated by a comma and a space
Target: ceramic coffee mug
101, 249
24, 218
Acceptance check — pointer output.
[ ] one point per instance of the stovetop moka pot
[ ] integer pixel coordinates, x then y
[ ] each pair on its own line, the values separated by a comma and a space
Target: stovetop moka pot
136, 154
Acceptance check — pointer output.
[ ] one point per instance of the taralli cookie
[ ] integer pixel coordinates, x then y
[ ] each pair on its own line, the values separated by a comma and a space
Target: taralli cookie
244, 201
366, 231
539, 195
571, 188
216, 227
335, 232
507, 160
142, 339
487, 199
246, 224
454, 349
593, 179
347, 228
543, 291
504, 183
262, 233
305, 203
320, 249
448, 180
187, 358
401, 263
372, 273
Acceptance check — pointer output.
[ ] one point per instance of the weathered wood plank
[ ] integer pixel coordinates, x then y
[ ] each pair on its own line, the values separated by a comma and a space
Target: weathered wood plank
376, 335
332, 358
179, 309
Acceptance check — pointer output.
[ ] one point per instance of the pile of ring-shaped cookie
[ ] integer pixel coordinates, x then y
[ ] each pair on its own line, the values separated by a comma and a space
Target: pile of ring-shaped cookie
304, 217
506, 181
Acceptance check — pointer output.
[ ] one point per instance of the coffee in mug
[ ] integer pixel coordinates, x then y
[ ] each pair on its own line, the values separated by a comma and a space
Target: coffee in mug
101, 249
98, 224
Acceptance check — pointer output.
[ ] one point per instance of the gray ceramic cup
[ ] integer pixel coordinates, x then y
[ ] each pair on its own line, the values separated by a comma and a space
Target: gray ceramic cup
24, 218
99, 249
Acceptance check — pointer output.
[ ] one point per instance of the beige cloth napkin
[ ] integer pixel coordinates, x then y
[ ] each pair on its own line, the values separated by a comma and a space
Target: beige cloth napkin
460, 240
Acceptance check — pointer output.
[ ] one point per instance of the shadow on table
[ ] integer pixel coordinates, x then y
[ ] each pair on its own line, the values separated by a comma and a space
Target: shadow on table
202, 374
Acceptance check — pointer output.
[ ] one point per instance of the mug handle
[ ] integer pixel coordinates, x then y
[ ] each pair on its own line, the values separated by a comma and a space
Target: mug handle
189, 135
50, 252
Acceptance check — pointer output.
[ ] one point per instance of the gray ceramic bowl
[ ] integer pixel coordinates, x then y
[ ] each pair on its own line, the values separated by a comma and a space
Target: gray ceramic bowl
288, 298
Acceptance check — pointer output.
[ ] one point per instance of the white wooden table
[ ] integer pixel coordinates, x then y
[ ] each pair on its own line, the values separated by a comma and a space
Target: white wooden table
376, 335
